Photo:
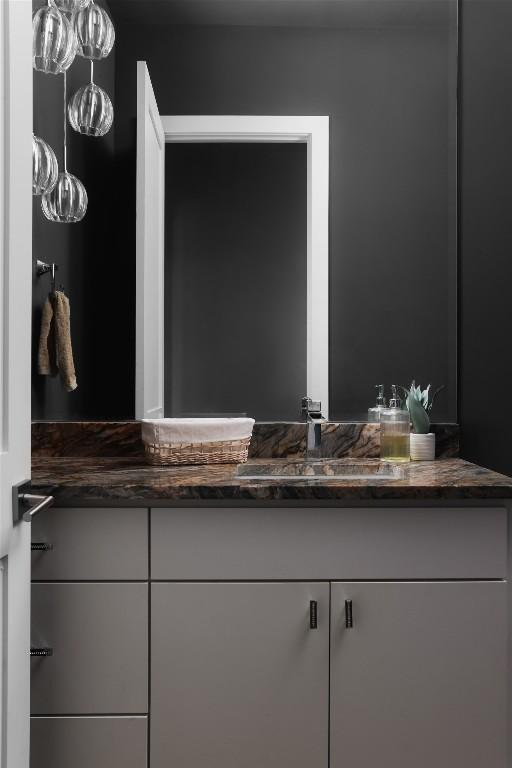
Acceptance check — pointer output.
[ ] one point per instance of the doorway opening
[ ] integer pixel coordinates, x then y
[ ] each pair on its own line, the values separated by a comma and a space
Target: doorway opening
235, 318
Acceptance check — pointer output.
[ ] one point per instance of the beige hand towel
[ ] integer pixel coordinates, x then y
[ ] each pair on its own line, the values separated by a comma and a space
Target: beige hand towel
47, 364
55, 350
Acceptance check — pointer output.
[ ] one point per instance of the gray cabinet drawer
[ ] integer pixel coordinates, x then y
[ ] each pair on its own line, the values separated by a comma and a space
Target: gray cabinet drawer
328, 543
91, 544
99, 636
87, 742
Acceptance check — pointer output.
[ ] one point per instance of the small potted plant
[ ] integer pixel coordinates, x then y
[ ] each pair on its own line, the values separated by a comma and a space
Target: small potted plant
419, 404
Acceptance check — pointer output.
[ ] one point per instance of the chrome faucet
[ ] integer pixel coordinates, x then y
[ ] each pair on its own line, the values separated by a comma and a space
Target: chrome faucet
312, 415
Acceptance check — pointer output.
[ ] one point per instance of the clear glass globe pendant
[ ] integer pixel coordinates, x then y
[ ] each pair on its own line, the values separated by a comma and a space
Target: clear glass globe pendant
66, 203
44, 167
94, 31
90, 111
53, 41
70, 6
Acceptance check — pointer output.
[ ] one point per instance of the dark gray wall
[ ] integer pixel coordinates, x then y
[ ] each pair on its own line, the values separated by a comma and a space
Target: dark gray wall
390, 94
235, 285
90, 268
188, 79
486, 232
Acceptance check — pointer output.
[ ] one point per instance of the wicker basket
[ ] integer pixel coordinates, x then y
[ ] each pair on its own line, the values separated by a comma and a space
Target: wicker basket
222, 452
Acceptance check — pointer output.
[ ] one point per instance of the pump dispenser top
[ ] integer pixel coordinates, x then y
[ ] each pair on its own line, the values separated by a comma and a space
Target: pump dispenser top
394, 400
374, 413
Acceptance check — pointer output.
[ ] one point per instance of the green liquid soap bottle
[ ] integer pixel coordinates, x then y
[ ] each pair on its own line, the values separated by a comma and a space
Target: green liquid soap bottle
374, 413
395, 431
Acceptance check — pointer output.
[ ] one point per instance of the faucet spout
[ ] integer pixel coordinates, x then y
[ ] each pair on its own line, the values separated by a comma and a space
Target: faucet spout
312, 413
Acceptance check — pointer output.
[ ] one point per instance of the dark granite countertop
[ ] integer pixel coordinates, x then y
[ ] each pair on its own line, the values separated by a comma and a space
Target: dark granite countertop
111, 481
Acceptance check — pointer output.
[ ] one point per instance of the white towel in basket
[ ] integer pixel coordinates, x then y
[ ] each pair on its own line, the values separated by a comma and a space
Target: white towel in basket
179, 431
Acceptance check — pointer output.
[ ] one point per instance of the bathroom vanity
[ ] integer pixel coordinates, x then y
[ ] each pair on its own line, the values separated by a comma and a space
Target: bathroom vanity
196, 618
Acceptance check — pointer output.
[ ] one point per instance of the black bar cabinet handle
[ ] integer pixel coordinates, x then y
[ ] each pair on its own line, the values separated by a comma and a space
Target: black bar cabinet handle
313, 614
349, 619
41, 651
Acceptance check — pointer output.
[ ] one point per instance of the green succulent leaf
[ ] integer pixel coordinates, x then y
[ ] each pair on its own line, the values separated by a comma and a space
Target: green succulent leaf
419, 416
436, 392
418, 400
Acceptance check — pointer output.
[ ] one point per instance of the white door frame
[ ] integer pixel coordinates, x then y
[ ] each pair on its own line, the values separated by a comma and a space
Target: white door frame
149, 320
314, 131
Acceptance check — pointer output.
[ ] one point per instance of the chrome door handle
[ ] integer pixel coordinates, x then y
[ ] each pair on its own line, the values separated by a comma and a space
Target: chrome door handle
35, 503
26, 505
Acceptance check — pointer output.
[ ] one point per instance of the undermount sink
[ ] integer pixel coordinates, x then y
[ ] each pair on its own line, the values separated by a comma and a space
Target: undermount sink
321, 469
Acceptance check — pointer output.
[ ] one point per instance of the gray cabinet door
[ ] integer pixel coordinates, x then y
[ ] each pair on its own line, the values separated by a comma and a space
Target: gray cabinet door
238, 677
420, 679
99, 636
88, 742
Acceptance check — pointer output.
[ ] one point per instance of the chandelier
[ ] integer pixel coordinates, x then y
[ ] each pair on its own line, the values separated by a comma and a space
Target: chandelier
66, 203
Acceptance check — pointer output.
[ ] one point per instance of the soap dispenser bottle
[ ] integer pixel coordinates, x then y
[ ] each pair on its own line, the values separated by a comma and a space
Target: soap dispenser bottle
374, 413
395, 431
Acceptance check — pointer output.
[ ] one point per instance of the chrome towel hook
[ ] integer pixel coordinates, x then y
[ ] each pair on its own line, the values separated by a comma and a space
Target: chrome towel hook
42, 267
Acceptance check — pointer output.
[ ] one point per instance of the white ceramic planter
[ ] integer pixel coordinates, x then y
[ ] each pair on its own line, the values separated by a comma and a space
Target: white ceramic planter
423, 447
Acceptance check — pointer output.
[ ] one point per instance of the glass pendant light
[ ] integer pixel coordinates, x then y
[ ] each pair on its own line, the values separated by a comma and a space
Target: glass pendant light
67, 201
70, 6
44, 167
90, 111
94, 31
53, 41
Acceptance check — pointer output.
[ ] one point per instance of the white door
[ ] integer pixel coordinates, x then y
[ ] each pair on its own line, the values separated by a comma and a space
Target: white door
149, 357
15, 312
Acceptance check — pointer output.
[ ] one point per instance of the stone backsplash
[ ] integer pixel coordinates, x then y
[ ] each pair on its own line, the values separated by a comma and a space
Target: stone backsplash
96, 439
